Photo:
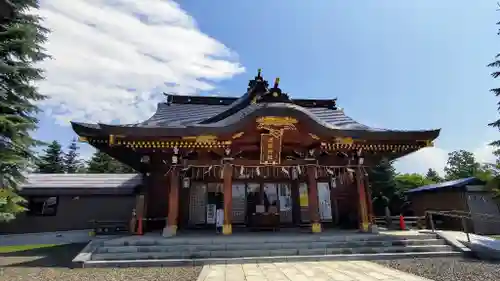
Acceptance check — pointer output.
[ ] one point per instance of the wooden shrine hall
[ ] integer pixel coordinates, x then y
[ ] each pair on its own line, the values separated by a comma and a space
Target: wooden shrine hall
265, 159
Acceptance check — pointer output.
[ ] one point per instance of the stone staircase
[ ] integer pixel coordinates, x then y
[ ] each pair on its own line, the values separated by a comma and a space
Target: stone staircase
154, 250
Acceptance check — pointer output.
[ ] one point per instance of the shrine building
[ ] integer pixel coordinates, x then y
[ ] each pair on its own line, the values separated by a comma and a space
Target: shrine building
266, 159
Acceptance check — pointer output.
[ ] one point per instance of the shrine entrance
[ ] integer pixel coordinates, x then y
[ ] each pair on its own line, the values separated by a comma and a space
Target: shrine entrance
257, 204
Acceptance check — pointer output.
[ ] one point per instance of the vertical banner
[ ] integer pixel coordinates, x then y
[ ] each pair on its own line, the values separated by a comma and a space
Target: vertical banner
270, 149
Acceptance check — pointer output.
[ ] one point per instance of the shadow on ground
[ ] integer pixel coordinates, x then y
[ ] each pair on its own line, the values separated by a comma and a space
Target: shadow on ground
56, 256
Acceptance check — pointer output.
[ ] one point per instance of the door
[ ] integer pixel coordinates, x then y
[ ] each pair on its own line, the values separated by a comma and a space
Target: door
325, 205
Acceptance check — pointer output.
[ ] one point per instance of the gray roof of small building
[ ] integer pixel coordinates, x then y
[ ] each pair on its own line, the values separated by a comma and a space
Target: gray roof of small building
447, 184
80, 184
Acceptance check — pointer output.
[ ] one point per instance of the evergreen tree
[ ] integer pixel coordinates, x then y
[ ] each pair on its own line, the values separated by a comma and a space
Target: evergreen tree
21, 36
495, 74
52, 161
433, 176
72, 162
103, 163
384, 187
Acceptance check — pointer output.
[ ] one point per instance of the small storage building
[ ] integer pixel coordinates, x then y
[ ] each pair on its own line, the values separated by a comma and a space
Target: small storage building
464, 195
59, 202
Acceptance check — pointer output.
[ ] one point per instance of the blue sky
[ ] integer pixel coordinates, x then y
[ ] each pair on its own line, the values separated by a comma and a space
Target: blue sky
392, 64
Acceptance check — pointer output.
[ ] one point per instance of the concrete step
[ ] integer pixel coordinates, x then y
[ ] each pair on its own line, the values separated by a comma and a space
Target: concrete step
196, 254
268, 246
199, 262
152, 241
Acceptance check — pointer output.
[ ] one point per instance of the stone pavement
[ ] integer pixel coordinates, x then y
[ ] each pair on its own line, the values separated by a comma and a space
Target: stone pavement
305, 271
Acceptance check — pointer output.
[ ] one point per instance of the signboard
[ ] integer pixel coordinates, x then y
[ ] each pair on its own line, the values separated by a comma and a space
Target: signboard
270, 149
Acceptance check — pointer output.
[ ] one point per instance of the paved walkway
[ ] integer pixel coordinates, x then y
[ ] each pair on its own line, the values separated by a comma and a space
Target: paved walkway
305, 271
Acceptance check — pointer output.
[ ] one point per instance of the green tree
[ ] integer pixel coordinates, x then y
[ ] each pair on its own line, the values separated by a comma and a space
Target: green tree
383, 186
433, 176
72, 162
460, 164
494, 169
52, 161
103, 163
406, 182
21, 39
495, 74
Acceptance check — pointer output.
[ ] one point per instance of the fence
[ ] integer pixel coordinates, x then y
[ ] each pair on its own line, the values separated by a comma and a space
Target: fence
394, 222
114, 227
466, 219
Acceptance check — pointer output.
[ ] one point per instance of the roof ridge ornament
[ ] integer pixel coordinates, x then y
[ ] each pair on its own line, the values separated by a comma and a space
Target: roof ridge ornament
258, 83
274, 94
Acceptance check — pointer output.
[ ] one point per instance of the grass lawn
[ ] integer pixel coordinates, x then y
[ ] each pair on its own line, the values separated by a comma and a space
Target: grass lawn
19, 248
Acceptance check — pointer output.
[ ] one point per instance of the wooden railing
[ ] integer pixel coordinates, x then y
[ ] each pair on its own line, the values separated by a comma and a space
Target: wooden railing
393, 222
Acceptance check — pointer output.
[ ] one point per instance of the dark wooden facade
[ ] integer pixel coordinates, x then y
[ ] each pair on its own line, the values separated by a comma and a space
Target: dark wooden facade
262, 140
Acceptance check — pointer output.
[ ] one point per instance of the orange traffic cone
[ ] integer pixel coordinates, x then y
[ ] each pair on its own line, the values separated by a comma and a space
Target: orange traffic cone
402, 224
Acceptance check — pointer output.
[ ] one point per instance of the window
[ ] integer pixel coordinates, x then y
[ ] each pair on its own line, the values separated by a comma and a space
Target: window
42, 206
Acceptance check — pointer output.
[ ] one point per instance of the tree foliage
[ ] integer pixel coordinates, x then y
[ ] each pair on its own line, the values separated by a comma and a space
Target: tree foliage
52, 161
406, 182
383, 185
103, 163
72, 162
21, 37
460, 164
494, 169
433, 176
495, 74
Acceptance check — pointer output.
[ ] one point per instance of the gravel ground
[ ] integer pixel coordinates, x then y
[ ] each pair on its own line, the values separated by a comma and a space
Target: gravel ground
448, 269
99, 274
53, 264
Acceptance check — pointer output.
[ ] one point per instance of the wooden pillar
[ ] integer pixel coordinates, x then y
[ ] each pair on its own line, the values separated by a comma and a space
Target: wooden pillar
227, 228
313, 199
371, 214
173, 204
333, 201
364, 222
296, 213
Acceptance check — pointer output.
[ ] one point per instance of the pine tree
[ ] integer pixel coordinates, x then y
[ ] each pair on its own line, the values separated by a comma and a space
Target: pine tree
103, 163
496, 91
21, 36
72, 162
52, 161
383, 186
432, 175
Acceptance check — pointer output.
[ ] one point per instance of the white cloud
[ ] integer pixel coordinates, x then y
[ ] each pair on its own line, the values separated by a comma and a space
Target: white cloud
435, 158
113, 58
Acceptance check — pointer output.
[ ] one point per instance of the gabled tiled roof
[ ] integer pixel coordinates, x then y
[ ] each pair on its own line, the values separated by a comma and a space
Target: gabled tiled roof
447, 184
197, 115
180, 115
